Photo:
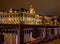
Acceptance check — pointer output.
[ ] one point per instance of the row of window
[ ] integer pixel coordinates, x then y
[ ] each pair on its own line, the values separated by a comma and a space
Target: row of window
10, 16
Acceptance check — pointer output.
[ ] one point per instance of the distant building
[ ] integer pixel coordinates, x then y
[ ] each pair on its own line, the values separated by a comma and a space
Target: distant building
29, 17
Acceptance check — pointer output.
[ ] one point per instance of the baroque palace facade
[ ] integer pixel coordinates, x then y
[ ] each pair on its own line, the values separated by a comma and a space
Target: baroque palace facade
9, 19
28, 17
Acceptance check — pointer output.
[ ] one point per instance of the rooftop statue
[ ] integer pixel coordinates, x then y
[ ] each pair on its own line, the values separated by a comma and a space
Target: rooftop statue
31, 9
10, 11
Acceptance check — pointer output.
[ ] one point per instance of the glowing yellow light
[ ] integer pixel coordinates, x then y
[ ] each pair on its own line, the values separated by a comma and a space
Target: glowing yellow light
9, 19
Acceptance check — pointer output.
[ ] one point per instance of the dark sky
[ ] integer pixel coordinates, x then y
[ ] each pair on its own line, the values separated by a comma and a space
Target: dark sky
43, 7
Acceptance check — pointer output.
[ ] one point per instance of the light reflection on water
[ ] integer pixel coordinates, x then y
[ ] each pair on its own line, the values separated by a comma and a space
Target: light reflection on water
28, 37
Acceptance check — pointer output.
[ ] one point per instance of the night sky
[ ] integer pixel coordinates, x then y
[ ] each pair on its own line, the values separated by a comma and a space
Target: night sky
42, 7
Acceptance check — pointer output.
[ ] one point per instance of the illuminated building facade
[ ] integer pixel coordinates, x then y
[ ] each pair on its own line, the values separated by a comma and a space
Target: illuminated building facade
29, 18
